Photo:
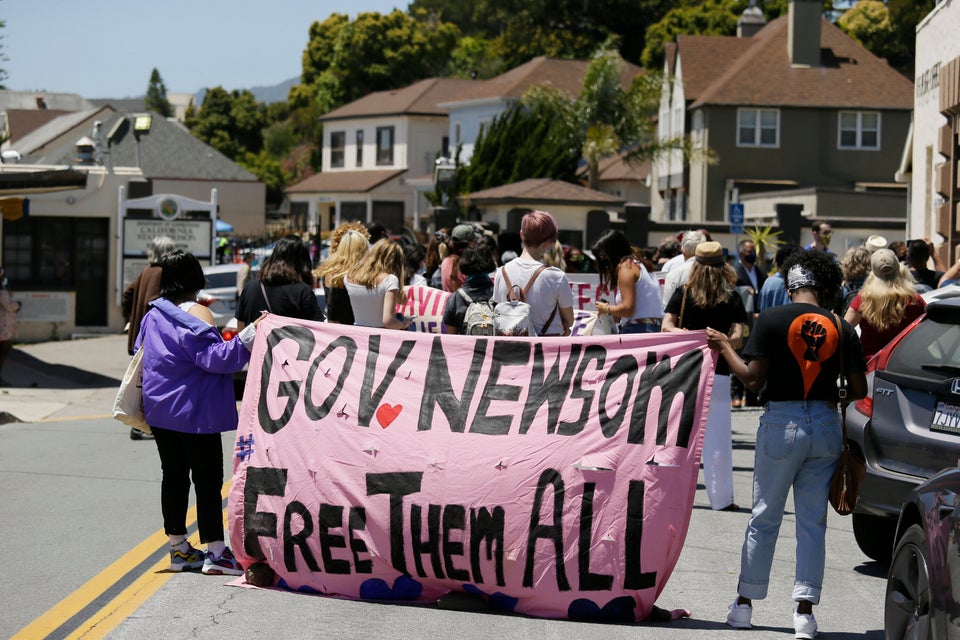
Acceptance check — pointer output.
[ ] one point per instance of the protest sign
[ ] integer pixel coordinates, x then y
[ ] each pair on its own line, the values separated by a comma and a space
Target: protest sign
554, 476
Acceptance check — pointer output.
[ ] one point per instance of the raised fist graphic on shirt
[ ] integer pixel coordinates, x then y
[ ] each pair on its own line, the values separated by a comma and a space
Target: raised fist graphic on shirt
813, 334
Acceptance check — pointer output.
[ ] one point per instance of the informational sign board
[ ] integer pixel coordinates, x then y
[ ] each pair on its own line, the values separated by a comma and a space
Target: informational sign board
192, 236
45, 306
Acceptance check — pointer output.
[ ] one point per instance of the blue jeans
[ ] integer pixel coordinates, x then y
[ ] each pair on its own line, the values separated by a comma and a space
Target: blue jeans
798, 445
639, 327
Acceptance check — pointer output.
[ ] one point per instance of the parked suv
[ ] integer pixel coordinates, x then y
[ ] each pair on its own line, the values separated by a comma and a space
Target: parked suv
908, 426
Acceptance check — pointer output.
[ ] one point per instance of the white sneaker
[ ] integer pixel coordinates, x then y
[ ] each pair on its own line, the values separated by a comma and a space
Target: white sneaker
805, 625
738, 615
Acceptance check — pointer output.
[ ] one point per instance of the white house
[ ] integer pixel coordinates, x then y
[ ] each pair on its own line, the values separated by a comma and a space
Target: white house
378, 158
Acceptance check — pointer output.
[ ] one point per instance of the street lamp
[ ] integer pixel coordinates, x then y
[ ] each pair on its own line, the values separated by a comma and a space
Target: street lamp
141, 127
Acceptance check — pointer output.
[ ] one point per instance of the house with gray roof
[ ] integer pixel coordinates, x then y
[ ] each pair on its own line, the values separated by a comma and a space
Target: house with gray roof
796, 112
71, 257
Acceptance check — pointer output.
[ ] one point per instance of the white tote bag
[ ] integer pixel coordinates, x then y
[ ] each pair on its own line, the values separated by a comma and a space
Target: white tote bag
128, 406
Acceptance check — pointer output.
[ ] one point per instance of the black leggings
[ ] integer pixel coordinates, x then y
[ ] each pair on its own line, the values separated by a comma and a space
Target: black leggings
181, 454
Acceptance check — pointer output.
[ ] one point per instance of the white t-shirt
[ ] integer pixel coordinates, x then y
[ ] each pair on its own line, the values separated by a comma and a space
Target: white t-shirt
368, 303
672, 263
550, 290
676, 279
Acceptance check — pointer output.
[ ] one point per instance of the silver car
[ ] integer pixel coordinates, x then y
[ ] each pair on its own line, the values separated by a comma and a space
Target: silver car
220, 292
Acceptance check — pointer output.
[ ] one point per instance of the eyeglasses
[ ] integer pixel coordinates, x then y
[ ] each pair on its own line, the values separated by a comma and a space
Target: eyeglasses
826, 233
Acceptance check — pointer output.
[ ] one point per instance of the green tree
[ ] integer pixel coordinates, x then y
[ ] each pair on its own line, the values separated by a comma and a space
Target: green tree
230, 122
606, 119
526, 141
887, 29
269, 171
522, 29
347, 60
156, 99
708, 18
3, 57
472, 58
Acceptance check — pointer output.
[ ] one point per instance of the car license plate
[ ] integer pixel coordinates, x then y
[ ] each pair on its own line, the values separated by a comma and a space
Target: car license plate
946, 418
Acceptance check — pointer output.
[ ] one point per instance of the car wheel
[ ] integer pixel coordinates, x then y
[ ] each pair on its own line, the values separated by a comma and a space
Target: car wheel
907, 608
874, 535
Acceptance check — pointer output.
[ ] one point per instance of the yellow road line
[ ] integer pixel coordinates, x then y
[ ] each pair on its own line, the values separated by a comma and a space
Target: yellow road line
126, 602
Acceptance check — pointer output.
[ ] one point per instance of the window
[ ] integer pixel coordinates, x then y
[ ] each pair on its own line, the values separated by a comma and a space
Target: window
338, 140
758, 128
61, 254
384, 145
859, 130
359, 148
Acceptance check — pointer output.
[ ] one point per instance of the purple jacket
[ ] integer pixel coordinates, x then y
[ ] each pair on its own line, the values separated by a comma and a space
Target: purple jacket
188, 371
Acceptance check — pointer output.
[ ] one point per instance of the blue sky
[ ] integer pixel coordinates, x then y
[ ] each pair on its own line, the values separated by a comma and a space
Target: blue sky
107, 48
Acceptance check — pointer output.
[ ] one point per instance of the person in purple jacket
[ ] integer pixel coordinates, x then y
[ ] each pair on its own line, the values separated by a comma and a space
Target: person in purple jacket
188, 401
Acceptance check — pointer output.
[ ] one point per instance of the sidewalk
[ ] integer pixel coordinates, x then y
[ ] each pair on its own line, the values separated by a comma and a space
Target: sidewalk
68, 379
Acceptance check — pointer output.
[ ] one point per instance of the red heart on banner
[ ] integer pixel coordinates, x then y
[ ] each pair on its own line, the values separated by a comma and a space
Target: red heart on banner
387, 414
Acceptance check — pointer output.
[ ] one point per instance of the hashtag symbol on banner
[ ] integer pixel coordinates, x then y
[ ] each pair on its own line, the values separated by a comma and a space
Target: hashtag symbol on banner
244, 447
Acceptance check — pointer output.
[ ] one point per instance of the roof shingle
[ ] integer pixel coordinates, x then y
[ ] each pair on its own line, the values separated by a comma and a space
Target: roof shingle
419, 98
544, 190
757, 71
344, 181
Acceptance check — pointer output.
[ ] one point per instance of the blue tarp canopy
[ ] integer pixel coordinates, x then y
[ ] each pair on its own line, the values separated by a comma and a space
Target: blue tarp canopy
223, 226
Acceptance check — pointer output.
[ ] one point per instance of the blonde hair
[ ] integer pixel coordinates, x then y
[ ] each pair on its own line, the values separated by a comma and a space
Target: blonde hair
883, 302
709, 285
386, 256
351, 247
553, 256
337, 234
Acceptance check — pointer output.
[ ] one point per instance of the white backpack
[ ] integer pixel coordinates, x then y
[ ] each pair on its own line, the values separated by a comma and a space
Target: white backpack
512, 318
478, 319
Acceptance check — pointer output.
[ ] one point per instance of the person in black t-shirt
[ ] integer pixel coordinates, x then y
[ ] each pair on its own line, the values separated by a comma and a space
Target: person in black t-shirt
284, 285
799, 439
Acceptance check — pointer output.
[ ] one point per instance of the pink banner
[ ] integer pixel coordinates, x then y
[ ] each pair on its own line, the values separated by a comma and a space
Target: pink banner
555, 476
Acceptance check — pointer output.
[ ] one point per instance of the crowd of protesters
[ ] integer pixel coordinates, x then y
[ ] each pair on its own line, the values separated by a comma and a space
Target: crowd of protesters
748, 308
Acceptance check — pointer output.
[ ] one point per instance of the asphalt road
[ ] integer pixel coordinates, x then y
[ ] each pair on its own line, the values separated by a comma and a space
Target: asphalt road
80, 517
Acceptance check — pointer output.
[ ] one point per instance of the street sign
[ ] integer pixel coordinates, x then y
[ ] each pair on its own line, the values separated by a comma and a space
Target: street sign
736, 217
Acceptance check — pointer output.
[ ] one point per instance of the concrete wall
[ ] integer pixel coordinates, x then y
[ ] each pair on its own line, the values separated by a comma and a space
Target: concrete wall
936, 44
242, 204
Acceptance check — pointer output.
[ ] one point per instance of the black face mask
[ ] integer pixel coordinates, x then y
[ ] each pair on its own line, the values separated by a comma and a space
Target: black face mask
749, 258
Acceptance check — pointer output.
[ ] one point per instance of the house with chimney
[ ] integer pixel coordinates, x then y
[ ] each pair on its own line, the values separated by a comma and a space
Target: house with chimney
800, 118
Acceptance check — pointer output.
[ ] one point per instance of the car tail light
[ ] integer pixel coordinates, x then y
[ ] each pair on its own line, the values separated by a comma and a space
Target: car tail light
879, 362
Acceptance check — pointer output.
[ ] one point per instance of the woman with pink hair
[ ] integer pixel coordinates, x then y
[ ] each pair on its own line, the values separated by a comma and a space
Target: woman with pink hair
547, 289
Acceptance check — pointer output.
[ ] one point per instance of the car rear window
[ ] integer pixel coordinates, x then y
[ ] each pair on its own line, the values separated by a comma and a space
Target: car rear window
931, 350
224, 279
220, 280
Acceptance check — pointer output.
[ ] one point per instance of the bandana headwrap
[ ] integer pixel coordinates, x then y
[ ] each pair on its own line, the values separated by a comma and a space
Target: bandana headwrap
798, 278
